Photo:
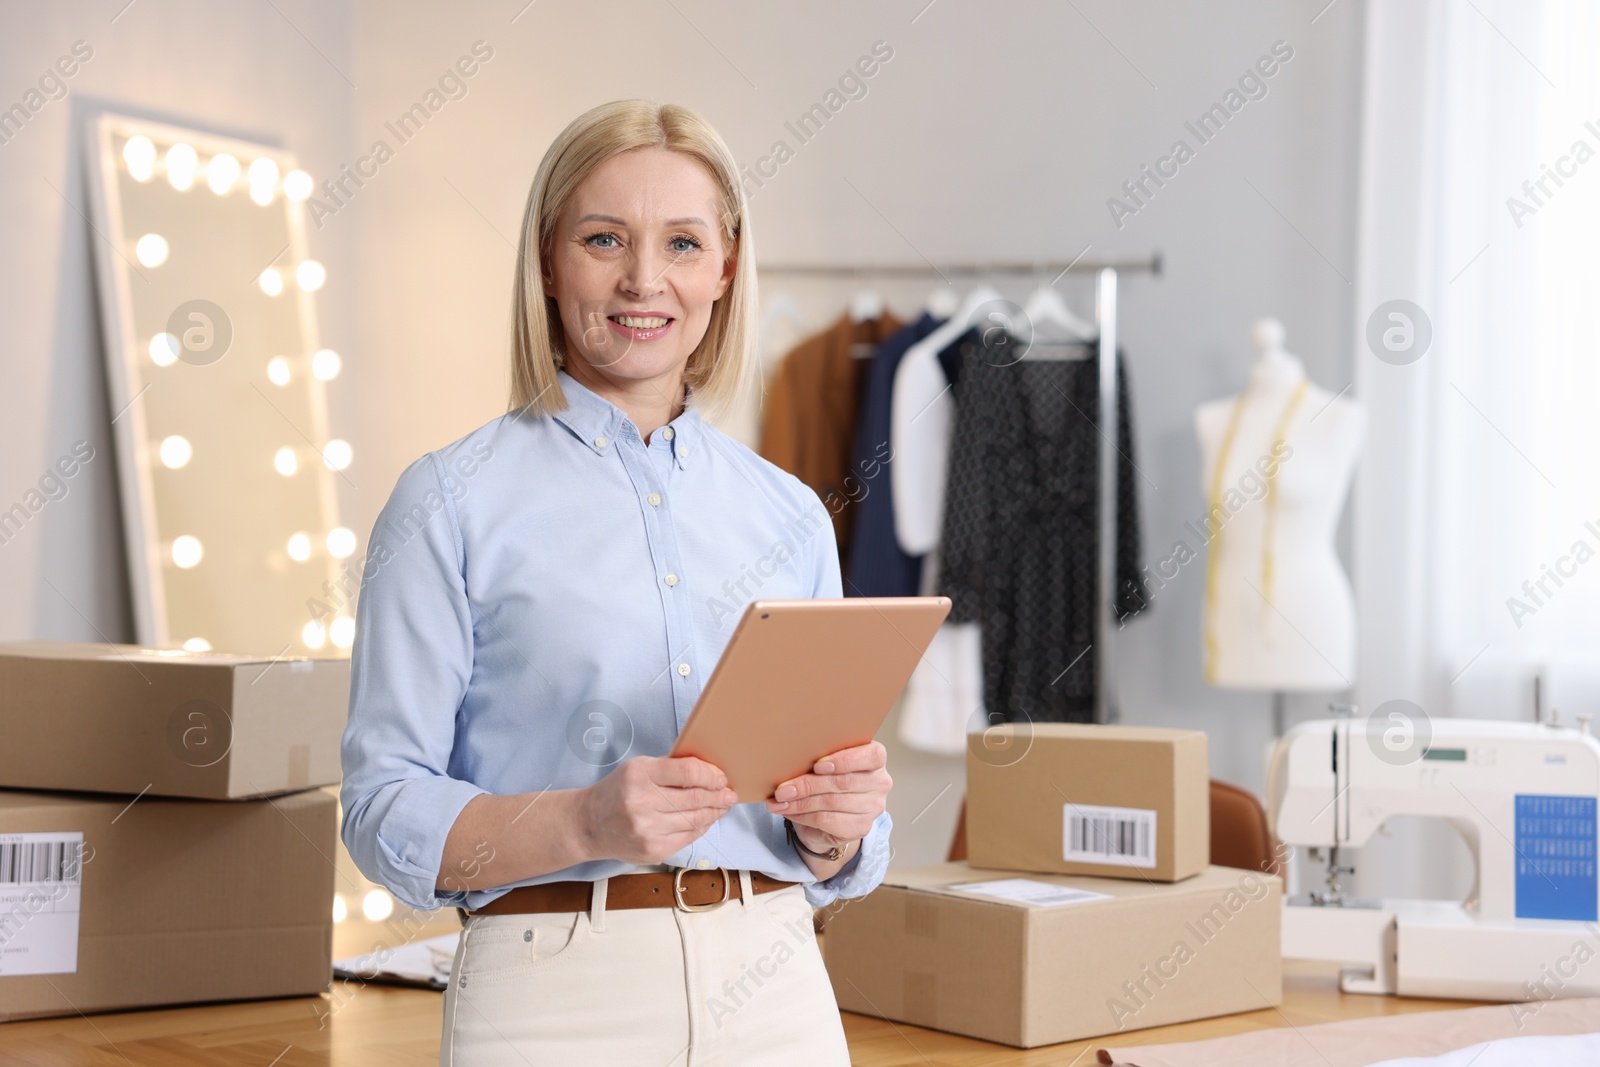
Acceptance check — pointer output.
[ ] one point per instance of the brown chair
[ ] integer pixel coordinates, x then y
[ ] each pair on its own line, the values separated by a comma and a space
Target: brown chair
958, 843
1239, 833
1240, 836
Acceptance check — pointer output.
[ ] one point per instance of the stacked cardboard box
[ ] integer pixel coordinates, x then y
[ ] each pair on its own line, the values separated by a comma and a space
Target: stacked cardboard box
1086, 906
162, 836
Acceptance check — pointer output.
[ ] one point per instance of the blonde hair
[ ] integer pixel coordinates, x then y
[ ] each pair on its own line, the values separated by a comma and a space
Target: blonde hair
722, 366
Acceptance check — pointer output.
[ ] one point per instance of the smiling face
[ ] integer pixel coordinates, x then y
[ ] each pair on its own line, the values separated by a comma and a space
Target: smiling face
636, 259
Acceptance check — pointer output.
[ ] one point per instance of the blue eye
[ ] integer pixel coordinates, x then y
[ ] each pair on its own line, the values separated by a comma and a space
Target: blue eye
690, 241
602, 236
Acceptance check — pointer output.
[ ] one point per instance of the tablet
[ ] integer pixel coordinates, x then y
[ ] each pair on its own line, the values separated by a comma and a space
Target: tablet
802, 678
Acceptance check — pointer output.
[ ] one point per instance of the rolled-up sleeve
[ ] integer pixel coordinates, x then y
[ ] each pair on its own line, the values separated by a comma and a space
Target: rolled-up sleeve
863, 873
410, 666
865, 870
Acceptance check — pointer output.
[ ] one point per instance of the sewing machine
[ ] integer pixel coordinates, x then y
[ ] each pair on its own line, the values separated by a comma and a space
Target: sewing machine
1523, 796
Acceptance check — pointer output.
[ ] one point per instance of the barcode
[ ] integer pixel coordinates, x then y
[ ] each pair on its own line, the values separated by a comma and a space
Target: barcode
1122, 836
1110, 837
49, 861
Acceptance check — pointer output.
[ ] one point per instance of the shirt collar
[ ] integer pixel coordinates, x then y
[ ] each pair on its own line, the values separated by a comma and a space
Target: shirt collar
599, 423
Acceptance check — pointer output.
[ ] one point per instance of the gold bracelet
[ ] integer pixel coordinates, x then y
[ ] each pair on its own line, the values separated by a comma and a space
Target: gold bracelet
833, 853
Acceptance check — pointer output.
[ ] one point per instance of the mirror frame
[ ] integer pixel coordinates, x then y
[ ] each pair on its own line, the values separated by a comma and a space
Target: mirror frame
135, 455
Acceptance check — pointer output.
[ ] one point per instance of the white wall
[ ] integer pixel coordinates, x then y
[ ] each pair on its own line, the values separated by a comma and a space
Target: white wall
994, 132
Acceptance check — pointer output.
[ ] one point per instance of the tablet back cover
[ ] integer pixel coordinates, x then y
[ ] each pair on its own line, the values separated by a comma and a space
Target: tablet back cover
803, 678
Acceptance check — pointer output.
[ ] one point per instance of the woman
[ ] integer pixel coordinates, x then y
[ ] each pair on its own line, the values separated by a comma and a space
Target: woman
548, 595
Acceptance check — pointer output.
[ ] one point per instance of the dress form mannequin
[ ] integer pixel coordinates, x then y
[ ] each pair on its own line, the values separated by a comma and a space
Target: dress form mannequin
1279, 612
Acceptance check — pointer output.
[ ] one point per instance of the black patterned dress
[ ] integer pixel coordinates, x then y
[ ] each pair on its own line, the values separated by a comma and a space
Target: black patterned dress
1019, 546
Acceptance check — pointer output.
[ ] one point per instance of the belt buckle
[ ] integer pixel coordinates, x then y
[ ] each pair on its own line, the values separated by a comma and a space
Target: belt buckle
678, 888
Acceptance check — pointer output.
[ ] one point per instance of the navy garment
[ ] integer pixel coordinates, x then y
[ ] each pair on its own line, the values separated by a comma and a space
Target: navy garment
878, 565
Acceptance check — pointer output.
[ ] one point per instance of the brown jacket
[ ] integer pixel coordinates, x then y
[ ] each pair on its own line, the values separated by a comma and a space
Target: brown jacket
809, 420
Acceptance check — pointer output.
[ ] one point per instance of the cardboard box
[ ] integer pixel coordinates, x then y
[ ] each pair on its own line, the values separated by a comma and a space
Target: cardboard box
1113, 801
164, 722
1055, 966
107, 905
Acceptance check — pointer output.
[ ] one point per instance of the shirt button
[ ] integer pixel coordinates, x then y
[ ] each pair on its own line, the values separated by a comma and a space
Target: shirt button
599, 442
704, 865
683, 668
668, 432
682, 451
671, 579
655, 500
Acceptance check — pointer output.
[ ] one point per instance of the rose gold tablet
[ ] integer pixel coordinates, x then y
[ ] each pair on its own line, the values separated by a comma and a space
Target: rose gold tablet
802, 678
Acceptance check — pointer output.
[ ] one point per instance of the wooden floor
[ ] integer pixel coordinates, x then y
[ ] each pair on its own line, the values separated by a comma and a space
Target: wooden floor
361, 1025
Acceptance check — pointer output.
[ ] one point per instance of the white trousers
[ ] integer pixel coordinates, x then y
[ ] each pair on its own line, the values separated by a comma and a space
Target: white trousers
656, 987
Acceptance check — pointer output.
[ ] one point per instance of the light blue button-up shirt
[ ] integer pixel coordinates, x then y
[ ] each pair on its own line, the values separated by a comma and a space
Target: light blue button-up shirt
546, 597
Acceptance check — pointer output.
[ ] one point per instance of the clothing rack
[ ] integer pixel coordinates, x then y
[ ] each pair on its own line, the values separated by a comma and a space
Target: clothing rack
1106, 708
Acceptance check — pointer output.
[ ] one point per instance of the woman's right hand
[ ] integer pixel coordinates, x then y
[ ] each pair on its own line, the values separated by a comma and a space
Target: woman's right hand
649, 807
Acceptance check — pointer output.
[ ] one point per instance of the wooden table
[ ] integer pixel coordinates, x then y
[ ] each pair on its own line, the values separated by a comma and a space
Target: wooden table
361, 1025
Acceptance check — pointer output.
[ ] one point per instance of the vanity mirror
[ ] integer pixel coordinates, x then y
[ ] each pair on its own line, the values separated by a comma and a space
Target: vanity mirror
217, 387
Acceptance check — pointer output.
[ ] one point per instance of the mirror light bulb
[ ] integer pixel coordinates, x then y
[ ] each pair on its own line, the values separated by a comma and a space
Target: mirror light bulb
300, 547
297, 185
337, 454
377, 905
285, 461
325, 365
341, 910
310, 275
197, 644
181, 164
263, 180
263, 171
164, 350
222, 172
151, 250
176, 451
187, 551
271, 281
278, 370
341, 542
312, 635
140, 155
342, 632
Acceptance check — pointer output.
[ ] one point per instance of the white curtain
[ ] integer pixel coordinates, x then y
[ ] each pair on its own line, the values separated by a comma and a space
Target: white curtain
1477, 567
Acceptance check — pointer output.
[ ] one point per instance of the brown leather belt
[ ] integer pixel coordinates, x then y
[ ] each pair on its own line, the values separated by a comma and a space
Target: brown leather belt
687, 888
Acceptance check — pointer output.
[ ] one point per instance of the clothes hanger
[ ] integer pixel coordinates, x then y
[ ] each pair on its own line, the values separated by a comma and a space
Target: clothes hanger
948, 331
1057, 332
942, 302
865, 306
958, 322
782, 309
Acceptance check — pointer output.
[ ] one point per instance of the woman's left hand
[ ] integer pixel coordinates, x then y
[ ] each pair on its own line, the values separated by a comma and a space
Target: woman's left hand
837, 802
